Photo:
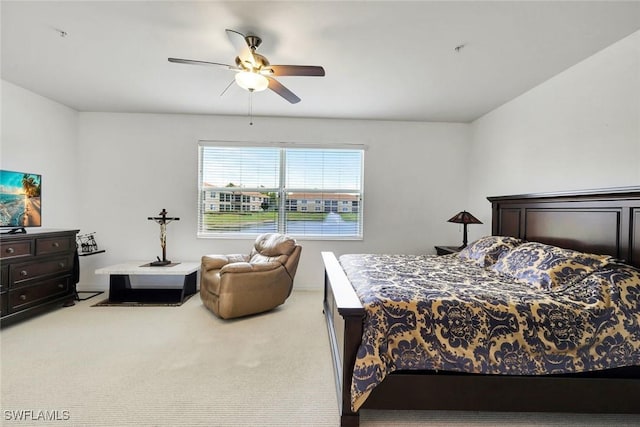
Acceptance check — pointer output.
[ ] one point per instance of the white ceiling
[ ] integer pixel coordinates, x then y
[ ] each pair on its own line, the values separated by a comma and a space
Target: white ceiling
385, 60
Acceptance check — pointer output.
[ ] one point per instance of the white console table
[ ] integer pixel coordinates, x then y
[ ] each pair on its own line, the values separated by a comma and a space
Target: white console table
120, 289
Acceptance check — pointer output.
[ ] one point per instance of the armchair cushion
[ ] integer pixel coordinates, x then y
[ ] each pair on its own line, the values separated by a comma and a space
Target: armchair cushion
260, 259
213, 262
274, 244
247, 267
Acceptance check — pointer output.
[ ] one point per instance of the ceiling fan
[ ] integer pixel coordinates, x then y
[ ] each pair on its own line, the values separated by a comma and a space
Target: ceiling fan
253, 71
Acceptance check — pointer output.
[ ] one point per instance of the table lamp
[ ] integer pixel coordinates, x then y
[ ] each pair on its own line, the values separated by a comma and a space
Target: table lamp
464, 218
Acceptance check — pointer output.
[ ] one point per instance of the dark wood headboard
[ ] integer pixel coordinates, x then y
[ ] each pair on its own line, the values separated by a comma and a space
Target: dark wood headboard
605, 221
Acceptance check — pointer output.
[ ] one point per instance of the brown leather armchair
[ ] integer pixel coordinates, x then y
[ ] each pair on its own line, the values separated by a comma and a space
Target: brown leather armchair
238, 285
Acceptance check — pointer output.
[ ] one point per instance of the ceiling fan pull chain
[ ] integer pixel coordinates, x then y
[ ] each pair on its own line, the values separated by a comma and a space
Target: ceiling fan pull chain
251, 108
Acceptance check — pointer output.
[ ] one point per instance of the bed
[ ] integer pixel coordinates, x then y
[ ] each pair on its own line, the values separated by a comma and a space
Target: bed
605, 222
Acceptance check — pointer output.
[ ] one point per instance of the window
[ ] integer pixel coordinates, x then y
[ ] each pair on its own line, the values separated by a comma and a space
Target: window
267, 188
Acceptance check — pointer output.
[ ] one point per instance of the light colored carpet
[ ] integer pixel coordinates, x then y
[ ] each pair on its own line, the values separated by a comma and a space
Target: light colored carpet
182, 366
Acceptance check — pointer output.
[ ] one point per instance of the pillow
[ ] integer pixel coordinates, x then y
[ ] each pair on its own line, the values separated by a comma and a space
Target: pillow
548, 267
487, 250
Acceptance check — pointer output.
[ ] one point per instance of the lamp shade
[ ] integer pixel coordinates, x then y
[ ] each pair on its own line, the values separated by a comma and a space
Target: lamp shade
464, 217
253, 82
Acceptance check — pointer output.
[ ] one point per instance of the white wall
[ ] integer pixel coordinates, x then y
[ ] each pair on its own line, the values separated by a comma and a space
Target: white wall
40, 136
578, 130
134, 165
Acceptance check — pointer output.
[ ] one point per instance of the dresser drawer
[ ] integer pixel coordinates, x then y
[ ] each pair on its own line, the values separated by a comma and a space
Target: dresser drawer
28, 296
53, 245
3, 303
4, 277
21, 274
15, 249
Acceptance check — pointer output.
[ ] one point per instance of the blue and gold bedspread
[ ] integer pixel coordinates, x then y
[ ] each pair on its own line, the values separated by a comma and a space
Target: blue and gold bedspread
446, 313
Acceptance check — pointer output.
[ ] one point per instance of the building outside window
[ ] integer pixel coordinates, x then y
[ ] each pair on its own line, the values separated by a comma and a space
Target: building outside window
311, 192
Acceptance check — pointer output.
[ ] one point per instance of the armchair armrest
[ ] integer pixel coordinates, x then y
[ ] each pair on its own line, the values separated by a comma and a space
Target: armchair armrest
215, 262
245, 267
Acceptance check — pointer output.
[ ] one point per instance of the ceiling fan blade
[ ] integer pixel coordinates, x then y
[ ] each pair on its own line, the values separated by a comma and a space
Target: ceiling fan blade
278, 88
296, 70
239, 43
194, 62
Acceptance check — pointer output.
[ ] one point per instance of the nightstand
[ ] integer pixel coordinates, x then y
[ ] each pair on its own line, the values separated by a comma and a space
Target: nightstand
446, 250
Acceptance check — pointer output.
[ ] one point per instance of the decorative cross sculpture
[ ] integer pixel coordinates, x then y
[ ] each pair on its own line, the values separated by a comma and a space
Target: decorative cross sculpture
163, 220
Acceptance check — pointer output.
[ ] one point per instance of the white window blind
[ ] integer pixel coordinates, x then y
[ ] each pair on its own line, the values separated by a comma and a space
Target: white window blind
311, 192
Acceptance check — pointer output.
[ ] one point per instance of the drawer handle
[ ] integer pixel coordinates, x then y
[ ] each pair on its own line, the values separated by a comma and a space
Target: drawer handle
23, 297
61, 264
10, 250
61, 285
56, 244
24, 273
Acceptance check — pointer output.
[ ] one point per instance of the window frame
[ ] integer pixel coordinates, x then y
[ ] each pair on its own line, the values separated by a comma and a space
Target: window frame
282, 191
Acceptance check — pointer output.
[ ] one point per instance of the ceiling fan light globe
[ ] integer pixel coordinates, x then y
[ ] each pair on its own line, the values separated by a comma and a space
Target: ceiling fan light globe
253, 82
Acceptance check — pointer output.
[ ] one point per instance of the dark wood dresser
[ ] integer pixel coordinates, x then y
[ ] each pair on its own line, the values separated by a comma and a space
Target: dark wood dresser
37, 272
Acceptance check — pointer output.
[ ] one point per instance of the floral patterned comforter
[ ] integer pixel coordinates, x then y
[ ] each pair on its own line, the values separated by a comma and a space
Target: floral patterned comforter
446, 313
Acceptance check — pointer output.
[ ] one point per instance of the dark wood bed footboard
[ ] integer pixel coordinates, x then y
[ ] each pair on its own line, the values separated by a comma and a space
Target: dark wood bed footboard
344, 315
